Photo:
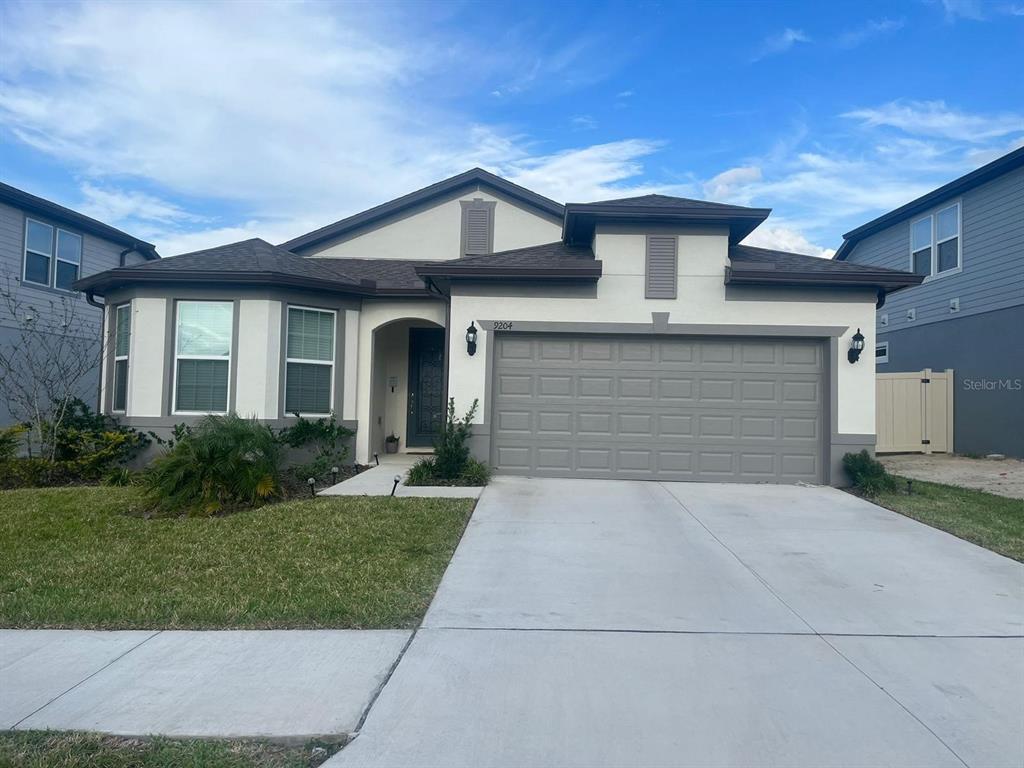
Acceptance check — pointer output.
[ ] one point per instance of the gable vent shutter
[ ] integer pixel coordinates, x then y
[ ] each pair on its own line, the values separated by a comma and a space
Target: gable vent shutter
477, 227
662, 259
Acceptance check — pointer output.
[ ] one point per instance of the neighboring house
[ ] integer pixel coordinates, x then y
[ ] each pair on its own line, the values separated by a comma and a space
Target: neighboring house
629, 338
967, 240
44, 249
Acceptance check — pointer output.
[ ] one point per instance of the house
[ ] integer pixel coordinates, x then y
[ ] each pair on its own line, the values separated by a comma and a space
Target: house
633, 338
44, 249
966, 239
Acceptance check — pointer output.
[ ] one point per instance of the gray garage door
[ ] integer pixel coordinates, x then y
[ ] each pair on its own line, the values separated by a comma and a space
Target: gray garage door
671, 408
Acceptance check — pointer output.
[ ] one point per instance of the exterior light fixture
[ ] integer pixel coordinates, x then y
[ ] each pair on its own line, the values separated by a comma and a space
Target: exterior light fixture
471, 339
334, 473
398, 479
856, 347
312, 486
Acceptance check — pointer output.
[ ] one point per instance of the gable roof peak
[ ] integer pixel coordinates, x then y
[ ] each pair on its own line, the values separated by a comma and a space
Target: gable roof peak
380, 212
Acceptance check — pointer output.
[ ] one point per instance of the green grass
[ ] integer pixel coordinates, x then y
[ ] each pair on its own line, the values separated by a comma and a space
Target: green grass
993, 522
77, 557
69, 749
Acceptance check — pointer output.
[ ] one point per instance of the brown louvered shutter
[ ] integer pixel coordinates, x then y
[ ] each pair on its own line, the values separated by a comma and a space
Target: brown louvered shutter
662, 259
477, 227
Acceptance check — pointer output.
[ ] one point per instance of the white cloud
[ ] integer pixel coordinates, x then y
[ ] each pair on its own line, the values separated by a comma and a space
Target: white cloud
783, 238
964, 9
729, 185
935, 118
781, 43
583, 123
870, 29
110, 204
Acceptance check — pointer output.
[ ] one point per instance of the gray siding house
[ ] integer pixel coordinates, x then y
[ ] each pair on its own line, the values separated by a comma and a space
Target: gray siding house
967, 239
44, 249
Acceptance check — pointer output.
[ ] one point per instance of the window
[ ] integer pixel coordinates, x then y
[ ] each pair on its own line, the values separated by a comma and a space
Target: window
477, 227
69, 259
935, 242
202, 350
42, 242
309, 362
122, 337
662, 261
38, 252
882, 352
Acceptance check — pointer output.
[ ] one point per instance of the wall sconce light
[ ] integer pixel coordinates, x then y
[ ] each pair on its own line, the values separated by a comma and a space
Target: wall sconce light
856, 347
471, 339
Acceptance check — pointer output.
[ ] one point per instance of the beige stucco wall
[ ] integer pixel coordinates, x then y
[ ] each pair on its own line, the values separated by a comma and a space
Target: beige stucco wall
434, 232
259, 358
147, 357
701, 300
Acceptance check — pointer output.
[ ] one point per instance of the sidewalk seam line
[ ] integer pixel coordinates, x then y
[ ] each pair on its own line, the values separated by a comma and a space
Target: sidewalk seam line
839, 653
87, 678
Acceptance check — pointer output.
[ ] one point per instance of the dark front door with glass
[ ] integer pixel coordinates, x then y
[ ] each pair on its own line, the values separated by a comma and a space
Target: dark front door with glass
426, 386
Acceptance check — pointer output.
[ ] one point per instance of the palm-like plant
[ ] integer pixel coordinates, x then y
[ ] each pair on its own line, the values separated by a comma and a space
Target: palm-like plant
225, 462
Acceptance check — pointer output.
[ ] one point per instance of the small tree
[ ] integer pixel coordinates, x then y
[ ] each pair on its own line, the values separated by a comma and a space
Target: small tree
451, 449
47, 360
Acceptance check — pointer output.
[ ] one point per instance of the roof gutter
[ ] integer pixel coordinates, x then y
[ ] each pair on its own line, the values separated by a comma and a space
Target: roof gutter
884, 282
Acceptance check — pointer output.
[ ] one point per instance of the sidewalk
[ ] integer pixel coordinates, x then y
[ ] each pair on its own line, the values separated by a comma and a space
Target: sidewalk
289, 684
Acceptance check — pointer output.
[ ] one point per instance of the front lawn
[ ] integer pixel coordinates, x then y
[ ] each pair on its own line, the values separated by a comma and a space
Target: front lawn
76, 557
993, 522
69, 749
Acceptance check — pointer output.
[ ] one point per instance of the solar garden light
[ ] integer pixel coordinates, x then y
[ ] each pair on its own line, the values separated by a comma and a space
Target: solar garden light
376, 458
312, 486
910, 486
334, 473
398, 479
856, 347
471, 339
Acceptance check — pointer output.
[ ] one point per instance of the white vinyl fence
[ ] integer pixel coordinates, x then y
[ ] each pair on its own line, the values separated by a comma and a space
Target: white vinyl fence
914, 412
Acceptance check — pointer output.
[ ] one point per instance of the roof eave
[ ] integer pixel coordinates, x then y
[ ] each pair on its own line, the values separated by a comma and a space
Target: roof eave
103, 282
886, 282
580, 222
497, 272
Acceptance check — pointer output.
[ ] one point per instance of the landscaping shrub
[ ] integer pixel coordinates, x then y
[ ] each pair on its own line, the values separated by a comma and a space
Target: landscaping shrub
328, 442
82, 447
867, 474
226, 462
451, 463
451, 450
10, 441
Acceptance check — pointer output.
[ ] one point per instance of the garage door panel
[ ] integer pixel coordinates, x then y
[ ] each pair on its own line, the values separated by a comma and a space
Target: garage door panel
667, 408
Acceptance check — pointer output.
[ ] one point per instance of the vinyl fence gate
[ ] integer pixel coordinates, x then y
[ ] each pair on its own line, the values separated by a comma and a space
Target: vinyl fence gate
914, 412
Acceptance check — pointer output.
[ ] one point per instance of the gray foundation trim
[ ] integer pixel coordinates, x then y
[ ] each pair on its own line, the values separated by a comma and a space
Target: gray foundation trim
683, 329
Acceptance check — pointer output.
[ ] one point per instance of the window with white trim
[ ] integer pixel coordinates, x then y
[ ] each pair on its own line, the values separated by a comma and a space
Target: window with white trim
935, 242
44, 242
122, 342
882, 352
202, 356
309, 361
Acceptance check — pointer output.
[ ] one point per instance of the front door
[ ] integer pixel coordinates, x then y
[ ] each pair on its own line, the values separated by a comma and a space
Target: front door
426, 386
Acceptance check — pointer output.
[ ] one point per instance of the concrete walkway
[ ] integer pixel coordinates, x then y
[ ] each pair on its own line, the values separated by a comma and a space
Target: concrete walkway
379, 480
603, 623
292, 684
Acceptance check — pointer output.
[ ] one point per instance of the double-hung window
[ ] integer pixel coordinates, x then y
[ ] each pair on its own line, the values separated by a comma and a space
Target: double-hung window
935, 242
202, 352
309, 362
43, 242
122, 340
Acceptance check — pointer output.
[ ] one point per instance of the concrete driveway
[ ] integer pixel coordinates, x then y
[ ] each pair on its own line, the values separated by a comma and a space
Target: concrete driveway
611, 623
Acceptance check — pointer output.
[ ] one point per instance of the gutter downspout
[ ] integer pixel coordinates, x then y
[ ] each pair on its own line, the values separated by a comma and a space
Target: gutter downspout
91, 300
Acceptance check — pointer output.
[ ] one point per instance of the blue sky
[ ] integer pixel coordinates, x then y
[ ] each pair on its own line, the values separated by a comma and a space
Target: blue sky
194, 124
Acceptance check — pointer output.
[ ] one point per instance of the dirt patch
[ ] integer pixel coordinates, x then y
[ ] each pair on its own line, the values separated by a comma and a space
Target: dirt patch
1004, 477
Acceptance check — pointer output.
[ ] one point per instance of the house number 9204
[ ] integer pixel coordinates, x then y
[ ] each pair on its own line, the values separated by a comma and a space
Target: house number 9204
502, 325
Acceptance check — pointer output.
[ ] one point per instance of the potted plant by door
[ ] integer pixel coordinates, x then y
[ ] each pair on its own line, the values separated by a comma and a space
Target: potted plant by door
391, 443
